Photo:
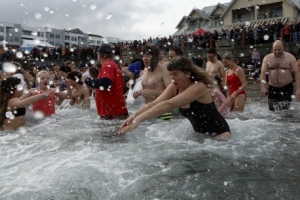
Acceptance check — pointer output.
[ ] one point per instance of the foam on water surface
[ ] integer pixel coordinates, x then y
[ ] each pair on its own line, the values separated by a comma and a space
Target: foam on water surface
75, 155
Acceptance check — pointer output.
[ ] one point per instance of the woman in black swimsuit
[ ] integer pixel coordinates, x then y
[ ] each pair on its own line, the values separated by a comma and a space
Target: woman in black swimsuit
12, 108
190, 93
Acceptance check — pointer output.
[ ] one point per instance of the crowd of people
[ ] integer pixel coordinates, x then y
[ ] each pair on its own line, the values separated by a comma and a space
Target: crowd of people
154, 85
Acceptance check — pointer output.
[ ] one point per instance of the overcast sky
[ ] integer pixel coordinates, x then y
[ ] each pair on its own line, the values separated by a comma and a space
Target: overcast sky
124, 19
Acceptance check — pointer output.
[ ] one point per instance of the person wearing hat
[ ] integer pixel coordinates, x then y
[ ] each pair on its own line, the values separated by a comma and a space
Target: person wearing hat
83, 69
109, 85
135, 84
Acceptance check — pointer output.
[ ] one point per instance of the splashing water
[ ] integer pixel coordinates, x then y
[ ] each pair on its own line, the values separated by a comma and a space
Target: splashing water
109, 15
9, 67
38, 16
93, 6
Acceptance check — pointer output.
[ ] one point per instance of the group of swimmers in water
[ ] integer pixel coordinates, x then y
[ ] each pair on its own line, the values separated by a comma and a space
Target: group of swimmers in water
157, 86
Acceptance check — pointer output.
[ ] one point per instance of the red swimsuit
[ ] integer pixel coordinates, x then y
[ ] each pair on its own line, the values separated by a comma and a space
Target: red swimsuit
47, 106
234, 84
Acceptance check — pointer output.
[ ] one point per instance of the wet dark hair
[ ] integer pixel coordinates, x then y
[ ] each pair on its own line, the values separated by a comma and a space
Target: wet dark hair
152, 50
7, 88
65, 69
75, 76
185, 65
177, 51
93, 72
212, 50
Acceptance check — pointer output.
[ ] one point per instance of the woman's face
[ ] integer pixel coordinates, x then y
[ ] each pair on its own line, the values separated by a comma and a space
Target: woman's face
227, 63
179, 78
43, 80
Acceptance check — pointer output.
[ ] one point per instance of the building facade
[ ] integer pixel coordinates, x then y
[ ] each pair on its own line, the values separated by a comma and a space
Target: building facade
246, 13
12, 35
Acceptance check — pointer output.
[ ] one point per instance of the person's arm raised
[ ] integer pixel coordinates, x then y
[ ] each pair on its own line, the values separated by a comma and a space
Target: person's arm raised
169, 92
192, 93
21, 103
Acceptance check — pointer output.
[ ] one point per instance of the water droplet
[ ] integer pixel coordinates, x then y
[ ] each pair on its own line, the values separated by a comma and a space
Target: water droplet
45, 55
131, 82
93, 6
37, 15
225, 87
38, 115
46, 9
242, 55
16, 30
257, 7
9, 115
263, 81
92, 62
34, 33
51, 12
71, 49
19, 54
20, 87
247, 23
9, 67
232, 40
221, 22
109, 15
101, 88
266, 37
67, 15
169, 43
117, 58
225, 183
293, 96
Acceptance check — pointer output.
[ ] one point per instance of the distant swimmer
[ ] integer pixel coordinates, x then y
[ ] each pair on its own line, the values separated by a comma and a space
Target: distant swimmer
190, 93
279, 65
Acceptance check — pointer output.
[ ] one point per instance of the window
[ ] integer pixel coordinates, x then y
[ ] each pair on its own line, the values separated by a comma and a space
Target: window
1, 38
57, 36
51, 42
74, 38
1, 29
98, 42
51, 35
92, 41
26, 32
67, 37
16, 39
216, 23
57, 44
40, 34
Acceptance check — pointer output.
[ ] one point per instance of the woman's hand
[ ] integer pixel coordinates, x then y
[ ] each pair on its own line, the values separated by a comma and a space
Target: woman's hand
129, 124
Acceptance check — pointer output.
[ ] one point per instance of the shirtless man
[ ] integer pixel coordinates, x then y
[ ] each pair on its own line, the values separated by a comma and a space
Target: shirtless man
279, 64
162, 60
80, 94
213, 65
156, 77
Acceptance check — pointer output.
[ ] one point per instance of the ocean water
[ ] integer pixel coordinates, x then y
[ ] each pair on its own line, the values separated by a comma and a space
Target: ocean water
75, 155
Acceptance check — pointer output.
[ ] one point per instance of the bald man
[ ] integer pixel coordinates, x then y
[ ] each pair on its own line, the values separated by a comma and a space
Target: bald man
279, 65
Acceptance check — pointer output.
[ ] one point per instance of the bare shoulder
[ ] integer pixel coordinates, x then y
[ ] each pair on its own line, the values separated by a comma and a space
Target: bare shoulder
289, 56
220, 63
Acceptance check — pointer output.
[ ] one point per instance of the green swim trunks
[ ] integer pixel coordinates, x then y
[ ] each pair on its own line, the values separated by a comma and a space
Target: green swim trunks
166, 116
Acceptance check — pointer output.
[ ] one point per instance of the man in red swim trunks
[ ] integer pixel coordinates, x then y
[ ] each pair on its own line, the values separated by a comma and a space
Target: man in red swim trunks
109, 85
